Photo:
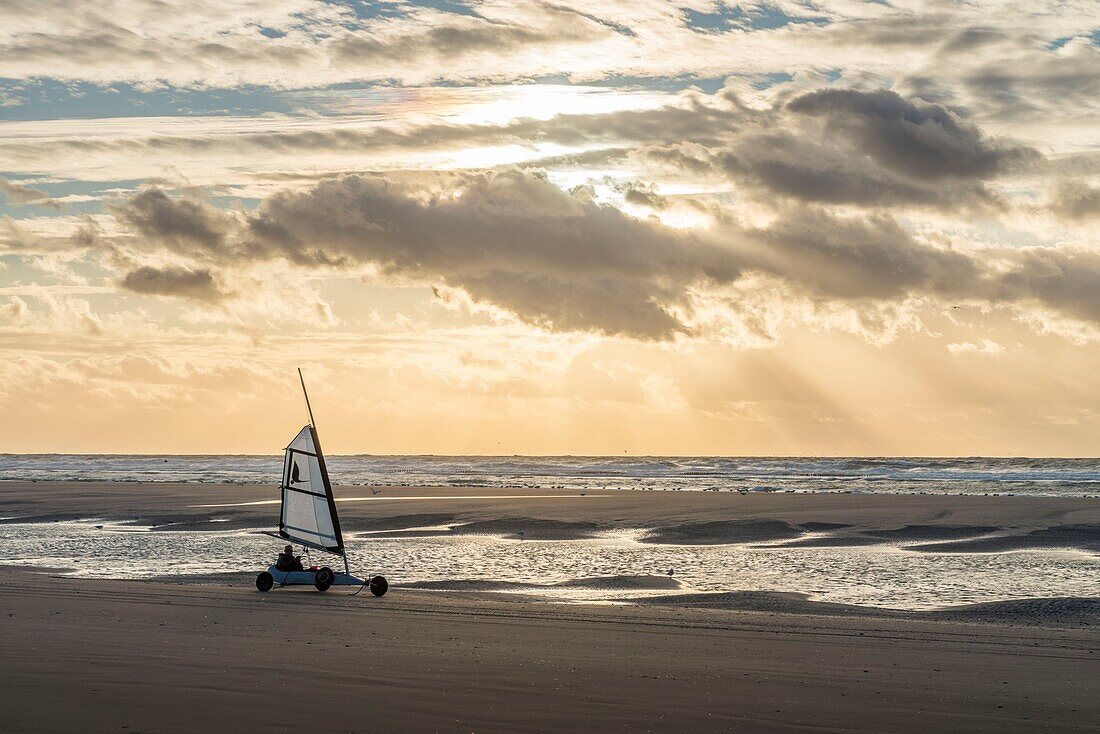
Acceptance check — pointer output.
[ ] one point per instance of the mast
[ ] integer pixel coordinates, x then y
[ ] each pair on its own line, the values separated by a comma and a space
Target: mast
321, 460
304, 392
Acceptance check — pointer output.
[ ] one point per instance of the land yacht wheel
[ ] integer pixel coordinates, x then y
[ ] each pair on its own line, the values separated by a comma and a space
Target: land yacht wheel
379, 585
265, 581
324, 578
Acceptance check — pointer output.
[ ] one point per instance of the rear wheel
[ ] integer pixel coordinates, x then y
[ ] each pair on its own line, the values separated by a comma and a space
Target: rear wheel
379, 585
324, 578
265, 581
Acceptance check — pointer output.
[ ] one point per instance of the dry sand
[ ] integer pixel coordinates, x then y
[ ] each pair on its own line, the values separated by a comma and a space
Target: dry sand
215, 655
95, 656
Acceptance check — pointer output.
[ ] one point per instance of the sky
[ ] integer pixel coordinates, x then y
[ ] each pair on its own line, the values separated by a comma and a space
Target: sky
601, 227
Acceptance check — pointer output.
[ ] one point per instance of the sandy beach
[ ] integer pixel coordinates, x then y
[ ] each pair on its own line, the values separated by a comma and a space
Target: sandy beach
678, 367
139, 656
209, 652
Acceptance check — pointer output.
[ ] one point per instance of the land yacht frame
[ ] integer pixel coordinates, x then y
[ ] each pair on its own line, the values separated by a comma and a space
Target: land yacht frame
308, 516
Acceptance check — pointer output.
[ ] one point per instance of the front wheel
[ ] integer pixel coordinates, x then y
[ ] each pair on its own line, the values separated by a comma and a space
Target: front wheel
324, 578
265, 581
379, 585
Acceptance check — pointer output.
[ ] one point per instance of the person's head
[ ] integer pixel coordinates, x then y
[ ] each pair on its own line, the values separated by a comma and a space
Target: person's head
288, 550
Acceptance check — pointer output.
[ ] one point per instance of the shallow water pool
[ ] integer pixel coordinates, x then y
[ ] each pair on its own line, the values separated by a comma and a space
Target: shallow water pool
880, 575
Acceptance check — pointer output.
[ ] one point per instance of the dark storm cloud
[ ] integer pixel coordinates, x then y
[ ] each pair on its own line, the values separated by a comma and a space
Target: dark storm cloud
197, 285
921, 140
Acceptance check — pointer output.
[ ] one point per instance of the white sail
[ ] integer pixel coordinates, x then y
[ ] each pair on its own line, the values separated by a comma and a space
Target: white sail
309, 512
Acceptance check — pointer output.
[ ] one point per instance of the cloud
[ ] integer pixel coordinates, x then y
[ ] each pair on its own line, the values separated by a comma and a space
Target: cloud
305, 44
792, 150
857, 257
852, 258
454, 36
874, 150
325, 313
688, 116
1028, 82
509, 239
999, 62
186, 225
920, 140
1064, 279
897, 31
790, 165
15, 311
18, 194
1075, 201
512, 241
640, 195
54, 313
988, 347
197, 285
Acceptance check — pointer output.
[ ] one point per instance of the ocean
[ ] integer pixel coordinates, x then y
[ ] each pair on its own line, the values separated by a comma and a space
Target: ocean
972, 476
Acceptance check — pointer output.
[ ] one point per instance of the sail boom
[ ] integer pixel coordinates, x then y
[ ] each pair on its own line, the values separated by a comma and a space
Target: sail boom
309, 544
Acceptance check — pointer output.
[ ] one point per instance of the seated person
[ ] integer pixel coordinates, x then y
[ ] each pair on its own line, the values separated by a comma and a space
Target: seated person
288, 561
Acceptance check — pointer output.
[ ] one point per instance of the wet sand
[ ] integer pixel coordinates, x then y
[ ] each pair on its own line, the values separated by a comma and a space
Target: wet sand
918, 522
95, 656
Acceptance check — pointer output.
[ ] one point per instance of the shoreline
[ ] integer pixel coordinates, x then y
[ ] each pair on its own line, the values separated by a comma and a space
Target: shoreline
968, 523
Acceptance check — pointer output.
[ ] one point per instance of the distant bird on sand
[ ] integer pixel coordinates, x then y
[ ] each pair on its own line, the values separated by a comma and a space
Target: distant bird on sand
375, 491
669, 572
